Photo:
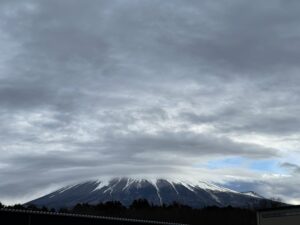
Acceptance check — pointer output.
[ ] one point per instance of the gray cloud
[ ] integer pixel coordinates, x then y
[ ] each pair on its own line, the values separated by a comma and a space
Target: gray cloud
97, 88
284, 188
291, 166
186, 144
275, 120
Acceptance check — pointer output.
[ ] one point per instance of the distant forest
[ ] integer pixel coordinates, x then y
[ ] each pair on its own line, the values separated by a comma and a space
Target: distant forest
142, 209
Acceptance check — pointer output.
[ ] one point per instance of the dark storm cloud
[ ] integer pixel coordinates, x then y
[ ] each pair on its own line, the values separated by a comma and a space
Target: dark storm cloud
98, 87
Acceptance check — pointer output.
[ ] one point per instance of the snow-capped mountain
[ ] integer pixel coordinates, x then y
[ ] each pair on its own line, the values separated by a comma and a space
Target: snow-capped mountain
157, 191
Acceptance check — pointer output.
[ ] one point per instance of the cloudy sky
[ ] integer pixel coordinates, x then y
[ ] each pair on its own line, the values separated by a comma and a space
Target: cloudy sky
199, 89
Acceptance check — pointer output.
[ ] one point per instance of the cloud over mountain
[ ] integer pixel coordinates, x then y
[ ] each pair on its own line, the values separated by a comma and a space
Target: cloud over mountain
105, 88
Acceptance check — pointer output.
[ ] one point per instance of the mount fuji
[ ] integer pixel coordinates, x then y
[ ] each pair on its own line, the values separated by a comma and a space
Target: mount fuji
157, 191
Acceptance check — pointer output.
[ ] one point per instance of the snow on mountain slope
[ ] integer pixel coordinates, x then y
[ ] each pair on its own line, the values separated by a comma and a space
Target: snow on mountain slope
252, 194
157, 191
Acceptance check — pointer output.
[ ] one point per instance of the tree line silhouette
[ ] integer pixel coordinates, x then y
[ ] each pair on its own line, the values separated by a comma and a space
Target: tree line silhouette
175, 212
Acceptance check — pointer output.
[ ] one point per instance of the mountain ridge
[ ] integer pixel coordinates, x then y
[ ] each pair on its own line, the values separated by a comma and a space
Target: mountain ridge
158, 191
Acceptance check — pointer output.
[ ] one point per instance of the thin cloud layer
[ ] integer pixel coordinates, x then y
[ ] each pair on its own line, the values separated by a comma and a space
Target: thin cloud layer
92, 89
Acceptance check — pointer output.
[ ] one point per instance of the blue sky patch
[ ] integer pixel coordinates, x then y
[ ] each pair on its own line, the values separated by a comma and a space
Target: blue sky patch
263, 165
269, 165
227, 162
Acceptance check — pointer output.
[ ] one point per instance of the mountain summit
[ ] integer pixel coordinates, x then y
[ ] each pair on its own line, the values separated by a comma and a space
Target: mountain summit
156, 191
